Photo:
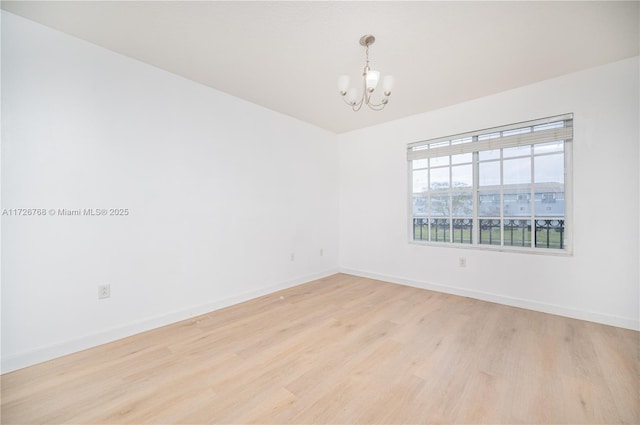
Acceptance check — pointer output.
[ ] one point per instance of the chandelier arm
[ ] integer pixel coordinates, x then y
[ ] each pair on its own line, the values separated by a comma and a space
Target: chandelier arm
378, 107
381, 104
355, 106
375, 106
345, 101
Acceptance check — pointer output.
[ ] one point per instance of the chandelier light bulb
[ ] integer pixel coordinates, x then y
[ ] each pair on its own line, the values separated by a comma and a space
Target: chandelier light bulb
343, 84
387, 84
370, 79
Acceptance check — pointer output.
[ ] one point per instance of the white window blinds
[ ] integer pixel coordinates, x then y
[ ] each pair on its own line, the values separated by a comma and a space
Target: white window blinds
558, 128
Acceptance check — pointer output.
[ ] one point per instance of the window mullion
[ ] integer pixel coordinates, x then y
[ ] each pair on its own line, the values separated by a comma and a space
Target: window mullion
450, 201
501, 198
429, 200
533, 201
475, 229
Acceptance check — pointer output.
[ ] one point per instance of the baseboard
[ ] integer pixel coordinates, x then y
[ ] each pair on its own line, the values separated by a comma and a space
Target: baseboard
618, 321
43, 354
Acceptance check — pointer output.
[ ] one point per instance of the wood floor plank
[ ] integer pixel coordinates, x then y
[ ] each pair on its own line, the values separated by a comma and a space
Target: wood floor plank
344, 349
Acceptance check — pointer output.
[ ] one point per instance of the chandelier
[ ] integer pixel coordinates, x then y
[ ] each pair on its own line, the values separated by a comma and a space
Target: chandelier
370, 79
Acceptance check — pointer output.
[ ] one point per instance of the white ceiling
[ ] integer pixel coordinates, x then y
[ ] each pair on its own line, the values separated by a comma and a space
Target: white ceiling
286, 56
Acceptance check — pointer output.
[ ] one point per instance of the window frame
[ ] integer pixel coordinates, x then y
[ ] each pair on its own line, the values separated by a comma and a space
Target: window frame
513, 138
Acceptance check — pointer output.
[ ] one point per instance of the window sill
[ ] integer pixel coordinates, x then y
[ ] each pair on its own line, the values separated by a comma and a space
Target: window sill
510, 249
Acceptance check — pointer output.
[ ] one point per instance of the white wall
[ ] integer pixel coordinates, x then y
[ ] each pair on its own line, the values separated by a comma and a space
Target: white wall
599, 282
220, 193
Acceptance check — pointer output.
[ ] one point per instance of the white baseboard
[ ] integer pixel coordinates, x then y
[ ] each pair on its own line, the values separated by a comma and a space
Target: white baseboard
43, 354
618, 321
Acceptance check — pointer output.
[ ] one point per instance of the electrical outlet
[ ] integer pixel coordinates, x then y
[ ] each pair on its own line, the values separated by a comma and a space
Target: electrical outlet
104, 291
293, 256
462, 262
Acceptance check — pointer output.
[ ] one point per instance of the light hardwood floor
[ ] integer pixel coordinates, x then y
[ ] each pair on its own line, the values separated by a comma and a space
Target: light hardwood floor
344, 350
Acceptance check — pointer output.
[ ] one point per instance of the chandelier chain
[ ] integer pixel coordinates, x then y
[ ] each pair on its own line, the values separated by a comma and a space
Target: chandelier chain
366, 53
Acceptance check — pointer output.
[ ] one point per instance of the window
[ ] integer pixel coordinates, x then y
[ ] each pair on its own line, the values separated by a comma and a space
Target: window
503, 187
